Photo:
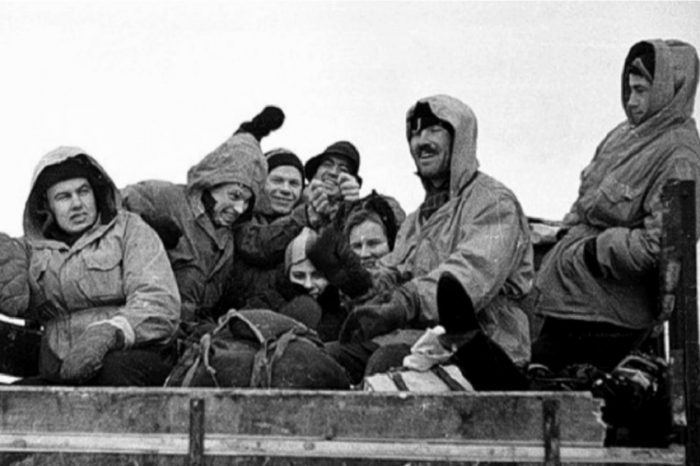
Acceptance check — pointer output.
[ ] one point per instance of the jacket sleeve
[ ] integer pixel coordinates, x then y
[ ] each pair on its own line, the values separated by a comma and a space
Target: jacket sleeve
629, 253
492, 245
152, 308
14, 276
263, 245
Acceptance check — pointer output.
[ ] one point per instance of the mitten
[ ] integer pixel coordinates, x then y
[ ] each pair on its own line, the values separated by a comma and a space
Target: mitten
262, 124
372, 320
166, 228
85, 358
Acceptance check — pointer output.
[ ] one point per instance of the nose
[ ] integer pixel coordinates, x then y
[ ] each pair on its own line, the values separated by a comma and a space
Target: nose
307, 282
285, 188
364, 251
76, 201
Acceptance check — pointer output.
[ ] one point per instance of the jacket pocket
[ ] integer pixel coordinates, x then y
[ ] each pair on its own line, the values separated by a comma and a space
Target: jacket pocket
102, 281
618, 204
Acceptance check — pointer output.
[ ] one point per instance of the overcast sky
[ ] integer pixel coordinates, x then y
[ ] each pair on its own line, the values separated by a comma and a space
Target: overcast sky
149, 88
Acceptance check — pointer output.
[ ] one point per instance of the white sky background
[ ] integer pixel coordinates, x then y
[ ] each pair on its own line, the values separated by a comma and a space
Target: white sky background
150, 88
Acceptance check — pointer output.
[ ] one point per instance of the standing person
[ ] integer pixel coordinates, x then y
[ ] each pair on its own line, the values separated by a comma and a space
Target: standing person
195, 220
470, 227
597, 284
99, 279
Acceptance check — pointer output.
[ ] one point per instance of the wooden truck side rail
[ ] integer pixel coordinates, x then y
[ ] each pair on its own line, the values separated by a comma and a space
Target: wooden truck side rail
169, 426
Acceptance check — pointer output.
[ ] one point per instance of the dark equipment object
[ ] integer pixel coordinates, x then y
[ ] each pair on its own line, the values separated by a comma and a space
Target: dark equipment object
20, 347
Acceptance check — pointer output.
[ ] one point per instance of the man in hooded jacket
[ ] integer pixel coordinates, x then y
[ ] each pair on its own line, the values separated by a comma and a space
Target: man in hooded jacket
221, 192
95, 276
471, 228
597, 284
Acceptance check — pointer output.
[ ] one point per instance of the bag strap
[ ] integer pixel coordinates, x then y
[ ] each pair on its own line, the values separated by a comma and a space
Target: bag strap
445, 376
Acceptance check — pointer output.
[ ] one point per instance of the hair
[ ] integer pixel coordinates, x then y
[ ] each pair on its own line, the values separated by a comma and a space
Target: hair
375, 208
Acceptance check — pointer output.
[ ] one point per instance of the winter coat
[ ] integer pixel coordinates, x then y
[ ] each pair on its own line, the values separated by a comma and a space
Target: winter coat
619, 204
260, 245
203, 257
14, 276
116, 271
480, 236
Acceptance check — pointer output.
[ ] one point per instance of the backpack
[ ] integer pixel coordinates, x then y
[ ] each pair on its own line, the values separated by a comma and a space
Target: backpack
257, 349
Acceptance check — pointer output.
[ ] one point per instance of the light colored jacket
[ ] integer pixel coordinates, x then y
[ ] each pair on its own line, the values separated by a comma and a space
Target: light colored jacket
480, 236
117, 271
619, 203
203, 258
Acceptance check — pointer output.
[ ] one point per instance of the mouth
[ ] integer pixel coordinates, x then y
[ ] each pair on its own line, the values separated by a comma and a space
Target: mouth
78, 218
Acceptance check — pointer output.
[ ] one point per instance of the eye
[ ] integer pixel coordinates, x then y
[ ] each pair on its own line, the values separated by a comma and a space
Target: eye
298, 276
316, 275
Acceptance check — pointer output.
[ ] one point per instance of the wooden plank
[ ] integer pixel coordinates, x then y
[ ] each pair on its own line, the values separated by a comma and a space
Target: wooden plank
195, 453
550, 432
176, 446
679, 246
331, 415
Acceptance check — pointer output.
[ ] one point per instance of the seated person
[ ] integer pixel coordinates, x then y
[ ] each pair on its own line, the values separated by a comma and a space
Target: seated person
195, 220
99, 280
597, 285
471, 227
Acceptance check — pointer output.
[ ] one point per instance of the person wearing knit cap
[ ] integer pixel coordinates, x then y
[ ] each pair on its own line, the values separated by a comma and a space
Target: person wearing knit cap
195, 220
97, 279
333, 177
285, 180
594, 294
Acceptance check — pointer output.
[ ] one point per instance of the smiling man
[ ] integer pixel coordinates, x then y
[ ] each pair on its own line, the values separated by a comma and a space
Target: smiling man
470, 228
196, 220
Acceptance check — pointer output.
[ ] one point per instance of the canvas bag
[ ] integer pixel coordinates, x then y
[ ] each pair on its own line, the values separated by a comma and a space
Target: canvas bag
258, 349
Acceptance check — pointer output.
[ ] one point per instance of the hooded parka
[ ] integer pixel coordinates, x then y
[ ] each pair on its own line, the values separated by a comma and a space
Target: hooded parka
203, 258
116, 271
479, 235
619, 202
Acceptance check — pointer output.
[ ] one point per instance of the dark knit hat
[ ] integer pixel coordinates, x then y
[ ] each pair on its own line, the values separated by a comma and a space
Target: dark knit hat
279, 157
641, 61
343, 149
423, 117
74, 167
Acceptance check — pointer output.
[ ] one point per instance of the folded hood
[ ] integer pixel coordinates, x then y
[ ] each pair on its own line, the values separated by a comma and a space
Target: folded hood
463, 162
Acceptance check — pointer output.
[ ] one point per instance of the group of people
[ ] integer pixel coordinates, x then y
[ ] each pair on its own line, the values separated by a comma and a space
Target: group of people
120, 278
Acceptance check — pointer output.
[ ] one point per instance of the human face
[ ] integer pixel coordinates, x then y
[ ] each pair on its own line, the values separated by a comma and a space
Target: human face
430, 148
283, 188
306, 275
638, 101
231, 201
72, 203
329, 170
369, 241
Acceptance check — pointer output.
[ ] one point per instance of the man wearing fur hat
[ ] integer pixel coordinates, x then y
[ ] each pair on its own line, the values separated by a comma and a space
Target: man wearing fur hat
594, 284
469, 228
195, 220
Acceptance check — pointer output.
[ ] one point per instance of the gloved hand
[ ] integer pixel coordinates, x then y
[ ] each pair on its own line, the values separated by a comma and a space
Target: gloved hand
590, 257
332, 255
262, 124
371, 320
166, 228
85, 358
